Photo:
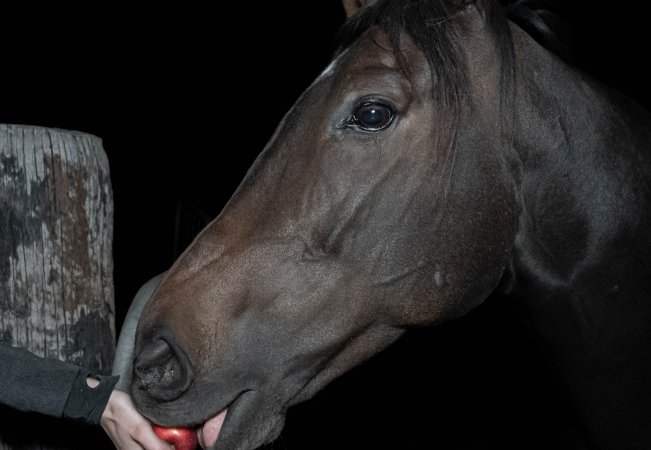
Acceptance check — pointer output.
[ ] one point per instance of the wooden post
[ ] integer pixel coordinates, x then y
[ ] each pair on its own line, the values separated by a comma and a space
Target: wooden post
56, 264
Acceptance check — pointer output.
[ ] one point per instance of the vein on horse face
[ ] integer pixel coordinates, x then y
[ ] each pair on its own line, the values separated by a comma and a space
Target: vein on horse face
393, 278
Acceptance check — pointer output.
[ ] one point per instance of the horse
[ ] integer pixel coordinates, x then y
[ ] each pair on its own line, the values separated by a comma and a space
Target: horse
444, 155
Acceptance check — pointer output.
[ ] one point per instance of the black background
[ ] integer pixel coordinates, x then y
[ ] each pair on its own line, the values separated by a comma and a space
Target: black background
185, 97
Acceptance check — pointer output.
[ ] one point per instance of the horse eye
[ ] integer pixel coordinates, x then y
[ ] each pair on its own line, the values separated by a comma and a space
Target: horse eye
372, 116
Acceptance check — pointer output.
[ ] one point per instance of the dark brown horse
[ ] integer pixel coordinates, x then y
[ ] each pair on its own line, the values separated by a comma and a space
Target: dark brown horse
442, 155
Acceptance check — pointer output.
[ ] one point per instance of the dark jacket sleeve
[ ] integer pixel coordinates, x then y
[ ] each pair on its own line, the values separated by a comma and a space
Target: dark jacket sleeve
51, 387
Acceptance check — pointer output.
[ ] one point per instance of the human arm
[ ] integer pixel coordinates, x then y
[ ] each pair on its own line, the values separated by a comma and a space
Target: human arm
63, 390
51, 387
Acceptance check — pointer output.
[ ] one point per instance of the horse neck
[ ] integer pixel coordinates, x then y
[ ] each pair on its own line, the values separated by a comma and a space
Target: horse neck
583, 154
581, 260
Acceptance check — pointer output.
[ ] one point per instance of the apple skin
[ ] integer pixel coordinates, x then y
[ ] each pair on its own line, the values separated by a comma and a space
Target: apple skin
181, 438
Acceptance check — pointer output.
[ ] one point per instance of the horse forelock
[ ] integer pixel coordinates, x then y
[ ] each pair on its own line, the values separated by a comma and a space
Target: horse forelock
428, 23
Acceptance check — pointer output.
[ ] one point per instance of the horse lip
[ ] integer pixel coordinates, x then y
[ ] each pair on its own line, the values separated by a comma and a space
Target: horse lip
209, 432
233, 403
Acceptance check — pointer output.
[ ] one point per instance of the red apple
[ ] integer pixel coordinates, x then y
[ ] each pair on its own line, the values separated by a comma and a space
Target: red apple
181, 438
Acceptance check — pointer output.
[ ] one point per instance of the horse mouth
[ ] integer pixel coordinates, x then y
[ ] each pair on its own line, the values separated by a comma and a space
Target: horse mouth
211, 429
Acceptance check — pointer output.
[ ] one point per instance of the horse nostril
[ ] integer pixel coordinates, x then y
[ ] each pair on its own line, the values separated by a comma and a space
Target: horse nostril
155, 351
161, 371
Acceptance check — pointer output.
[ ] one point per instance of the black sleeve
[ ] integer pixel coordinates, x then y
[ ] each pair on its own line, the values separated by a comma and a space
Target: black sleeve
51, 387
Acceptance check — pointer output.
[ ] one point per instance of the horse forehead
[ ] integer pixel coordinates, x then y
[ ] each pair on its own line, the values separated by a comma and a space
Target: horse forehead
373, 49
374, 53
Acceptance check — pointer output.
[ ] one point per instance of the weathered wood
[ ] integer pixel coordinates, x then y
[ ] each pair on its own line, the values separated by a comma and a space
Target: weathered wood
56, 264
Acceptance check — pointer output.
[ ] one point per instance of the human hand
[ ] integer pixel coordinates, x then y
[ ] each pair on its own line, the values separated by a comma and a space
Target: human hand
125, 426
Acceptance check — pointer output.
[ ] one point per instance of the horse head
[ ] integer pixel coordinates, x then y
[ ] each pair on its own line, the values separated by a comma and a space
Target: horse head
389, 197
